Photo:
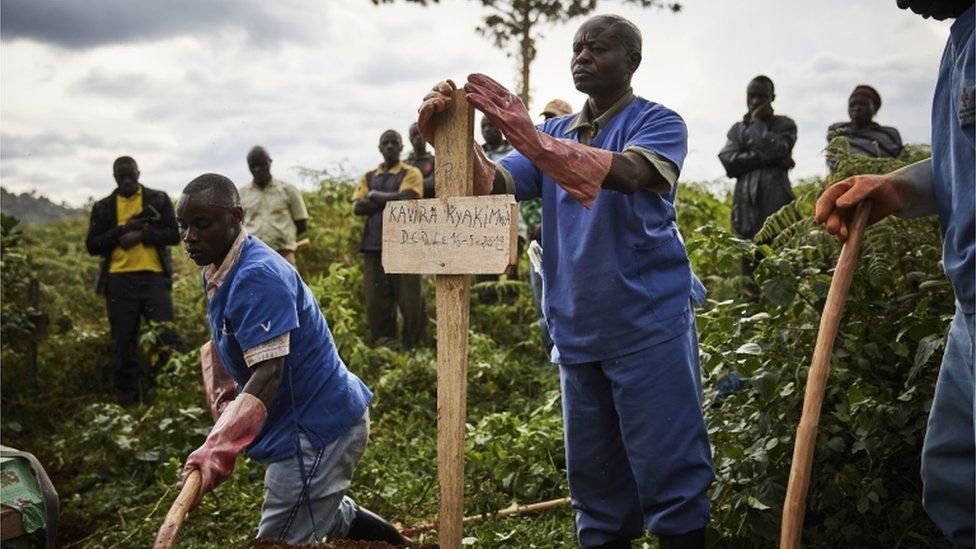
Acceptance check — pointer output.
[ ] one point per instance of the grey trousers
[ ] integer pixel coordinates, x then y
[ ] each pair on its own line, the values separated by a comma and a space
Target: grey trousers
285, 517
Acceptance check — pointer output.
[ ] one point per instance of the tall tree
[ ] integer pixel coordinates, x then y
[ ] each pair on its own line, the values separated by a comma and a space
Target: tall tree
513, 25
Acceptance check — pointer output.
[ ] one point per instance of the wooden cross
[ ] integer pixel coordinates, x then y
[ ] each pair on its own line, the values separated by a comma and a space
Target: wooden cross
452, 236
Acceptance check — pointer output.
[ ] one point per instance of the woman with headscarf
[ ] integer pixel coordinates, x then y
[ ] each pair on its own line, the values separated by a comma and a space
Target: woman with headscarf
866, 137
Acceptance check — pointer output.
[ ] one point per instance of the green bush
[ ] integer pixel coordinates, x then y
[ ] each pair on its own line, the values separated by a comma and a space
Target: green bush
115, 467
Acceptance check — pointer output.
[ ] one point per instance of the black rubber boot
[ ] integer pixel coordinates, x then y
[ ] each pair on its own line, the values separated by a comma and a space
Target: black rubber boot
368, 526
690, 540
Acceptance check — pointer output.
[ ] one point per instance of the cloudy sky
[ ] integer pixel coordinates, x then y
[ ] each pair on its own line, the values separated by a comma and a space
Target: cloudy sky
188, 87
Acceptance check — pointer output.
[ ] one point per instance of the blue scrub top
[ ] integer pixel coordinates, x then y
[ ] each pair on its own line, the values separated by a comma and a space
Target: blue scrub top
263, 297
953, 151
616, 277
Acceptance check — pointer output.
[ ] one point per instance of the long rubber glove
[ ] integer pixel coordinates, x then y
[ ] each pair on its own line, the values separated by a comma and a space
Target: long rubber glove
436, 101
219, 387
577, 168
235, 430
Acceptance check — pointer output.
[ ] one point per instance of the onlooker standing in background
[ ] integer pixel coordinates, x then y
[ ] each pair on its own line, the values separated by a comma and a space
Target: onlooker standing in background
758, 154
274, 211
422, 159
131, 229
385, 293
495, 145
866, 137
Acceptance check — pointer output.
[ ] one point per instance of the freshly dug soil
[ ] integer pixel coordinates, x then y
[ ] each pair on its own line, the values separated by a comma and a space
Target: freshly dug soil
338, 544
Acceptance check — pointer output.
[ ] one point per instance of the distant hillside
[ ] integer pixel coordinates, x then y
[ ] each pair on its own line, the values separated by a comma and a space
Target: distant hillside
34, 209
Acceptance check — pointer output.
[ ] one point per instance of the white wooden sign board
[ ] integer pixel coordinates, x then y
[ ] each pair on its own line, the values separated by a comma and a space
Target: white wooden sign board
460, 235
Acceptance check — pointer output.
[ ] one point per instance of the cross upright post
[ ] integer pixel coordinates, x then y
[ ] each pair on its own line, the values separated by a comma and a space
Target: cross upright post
452, 236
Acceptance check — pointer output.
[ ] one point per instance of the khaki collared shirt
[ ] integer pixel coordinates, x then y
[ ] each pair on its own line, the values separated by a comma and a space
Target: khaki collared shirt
270, 213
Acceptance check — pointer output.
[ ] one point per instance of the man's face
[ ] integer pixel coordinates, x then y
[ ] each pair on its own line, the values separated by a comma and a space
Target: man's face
416, 140
127, 178
490, 133
861, 109
600, 64
260, 165
758, 94
390, 147
208, 230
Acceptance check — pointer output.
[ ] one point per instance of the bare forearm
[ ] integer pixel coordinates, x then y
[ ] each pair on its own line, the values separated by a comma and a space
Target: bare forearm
265, 380
365, 207
629, 171
382, 198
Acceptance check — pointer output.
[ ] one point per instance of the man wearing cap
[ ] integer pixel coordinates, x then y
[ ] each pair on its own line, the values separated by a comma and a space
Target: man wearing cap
943, 186
618, 289
866, 137
274, 211
554, 108
759, 155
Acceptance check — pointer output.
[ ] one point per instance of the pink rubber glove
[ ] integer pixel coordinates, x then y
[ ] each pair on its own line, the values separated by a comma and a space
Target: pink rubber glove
235, 430
438, 100
219, 388
577, 168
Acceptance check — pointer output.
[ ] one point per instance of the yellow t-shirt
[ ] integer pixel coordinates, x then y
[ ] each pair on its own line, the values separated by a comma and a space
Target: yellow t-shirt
139, 257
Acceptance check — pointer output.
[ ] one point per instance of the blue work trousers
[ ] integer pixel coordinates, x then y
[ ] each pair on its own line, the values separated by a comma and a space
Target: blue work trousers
949, 451
637, 452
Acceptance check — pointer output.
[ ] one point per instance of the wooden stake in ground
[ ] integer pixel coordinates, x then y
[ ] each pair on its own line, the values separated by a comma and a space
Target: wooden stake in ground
794, 507
451, 236
166, 537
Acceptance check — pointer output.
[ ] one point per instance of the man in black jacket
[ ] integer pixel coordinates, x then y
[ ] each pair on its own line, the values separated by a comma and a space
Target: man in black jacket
759, 155
131, 229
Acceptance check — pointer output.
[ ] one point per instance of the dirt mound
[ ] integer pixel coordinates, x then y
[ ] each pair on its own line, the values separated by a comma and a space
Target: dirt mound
338, 544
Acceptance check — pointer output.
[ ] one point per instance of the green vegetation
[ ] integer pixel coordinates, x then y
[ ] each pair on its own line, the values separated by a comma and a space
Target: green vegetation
35, 209
115, 467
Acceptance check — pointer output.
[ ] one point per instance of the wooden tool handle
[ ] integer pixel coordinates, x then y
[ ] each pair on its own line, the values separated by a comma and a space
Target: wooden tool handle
166, 538
806, 433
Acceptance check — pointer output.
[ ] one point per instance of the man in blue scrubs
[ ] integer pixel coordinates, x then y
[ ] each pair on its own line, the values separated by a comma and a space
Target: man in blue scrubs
300, 410
618, 289
942, 185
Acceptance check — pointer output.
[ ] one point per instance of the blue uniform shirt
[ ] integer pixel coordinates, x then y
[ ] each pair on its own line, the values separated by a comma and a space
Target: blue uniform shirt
262, 298
953, 151
617, 278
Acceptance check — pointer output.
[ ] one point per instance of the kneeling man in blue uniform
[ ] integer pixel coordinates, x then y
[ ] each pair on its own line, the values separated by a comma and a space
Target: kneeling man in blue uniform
300, 410
618, 289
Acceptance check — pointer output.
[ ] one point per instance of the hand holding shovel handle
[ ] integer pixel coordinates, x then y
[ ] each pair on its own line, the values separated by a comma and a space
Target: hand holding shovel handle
166, 538
806, 433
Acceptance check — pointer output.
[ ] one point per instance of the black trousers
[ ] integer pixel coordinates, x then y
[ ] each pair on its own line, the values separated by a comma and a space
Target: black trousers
385, 293
129, 297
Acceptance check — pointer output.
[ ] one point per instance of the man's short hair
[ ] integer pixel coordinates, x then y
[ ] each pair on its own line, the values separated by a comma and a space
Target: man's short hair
392, 132
221, 190
256, 150
626, 32
124, 160
767, 81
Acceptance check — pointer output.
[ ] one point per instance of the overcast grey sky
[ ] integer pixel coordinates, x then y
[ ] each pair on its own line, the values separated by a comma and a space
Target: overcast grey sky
187, 87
